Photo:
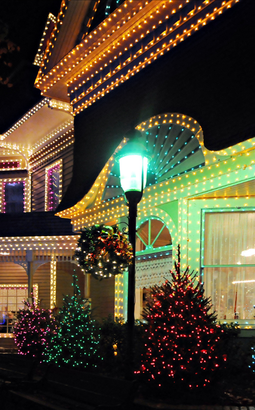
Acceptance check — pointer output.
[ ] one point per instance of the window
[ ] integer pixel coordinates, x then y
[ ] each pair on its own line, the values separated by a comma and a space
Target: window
152, 234
228, 263
53, 185
13, 197
11, 300
154, 258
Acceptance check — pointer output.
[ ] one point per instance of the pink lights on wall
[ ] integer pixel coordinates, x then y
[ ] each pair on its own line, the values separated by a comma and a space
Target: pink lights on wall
53, 186
6, 165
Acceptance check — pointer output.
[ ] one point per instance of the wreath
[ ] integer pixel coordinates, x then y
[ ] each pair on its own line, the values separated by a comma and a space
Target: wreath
103, 251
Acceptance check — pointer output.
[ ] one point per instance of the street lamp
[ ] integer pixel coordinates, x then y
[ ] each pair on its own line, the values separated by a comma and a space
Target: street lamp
133, 162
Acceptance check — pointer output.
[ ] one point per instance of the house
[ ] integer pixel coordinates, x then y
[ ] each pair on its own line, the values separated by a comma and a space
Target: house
37, 247
182, 73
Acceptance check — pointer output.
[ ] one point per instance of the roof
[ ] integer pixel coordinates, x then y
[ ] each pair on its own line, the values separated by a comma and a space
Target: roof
71, 18
40, 123
34, 224
209, 77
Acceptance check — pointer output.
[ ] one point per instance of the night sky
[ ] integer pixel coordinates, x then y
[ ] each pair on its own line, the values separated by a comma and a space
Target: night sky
21, 24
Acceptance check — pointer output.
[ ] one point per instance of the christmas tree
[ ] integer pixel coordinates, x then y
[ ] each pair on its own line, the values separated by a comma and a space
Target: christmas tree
76, 341
182, 338
31, 330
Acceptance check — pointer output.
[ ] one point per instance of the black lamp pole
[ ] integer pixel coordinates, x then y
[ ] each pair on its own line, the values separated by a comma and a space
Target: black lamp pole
133, 198
133, 160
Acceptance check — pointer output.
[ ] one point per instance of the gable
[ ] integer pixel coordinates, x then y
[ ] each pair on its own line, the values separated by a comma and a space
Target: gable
67, 30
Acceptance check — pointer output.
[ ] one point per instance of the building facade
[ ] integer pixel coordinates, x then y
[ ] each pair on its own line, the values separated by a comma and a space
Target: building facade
202, 200
37, 248
181, 72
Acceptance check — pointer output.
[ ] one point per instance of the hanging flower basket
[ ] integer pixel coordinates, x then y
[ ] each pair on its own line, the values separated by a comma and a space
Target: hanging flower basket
103, 251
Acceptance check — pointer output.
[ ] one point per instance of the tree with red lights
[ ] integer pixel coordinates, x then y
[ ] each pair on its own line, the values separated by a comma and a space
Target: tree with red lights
182, 338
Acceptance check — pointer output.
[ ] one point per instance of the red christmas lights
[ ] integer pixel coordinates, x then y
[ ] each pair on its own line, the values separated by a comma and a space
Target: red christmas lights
182, 338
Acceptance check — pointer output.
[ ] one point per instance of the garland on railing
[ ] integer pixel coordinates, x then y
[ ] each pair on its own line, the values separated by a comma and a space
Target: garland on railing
103, 251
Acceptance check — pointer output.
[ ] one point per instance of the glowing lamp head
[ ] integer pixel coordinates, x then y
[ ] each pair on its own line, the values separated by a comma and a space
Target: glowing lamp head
133, 162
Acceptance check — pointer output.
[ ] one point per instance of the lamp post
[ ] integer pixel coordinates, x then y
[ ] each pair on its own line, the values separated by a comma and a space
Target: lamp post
133, 162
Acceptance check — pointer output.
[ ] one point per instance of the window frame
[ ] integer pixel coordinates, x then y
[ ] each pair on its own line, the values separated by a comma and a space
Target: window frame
11, 181
149, 248
220, 210
243, 323
17, 287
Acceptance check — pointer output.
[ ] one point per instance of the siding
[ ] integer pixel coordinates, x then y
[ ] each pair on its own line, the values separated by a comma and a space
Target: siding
38, 178
102, 297
67, 169
65, 270
102, 293
38, 190
12, 274
42, 278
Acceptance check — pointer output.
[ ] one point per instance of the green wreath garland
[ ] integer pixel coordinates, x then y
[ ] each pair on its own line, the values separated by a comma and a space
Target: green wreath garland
103, 251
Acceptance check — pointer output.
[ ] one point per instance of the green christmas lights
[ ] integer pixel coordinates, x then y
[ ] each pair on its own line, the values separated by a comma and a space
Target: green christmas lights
76, 341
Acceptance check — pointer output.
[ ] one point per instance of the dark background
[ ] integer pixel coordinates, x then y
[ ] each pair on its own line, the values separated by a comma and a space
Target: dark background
22, 24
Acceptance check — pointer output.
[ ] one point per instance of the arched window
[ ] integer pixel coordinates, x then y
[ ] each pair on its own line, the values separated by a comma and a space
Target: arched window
153, 256
151, 235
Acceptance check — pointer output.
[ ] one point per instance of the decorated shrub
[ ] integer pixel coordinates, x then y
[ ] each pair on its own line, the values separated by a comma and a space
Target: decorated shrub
31, 330
76, 341
182, 340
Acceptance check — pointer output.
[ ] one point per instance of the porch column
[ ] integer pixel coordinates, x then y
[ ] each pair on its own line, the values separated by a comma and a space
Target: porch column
87, 286
30, 272
53, 281
182, 232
